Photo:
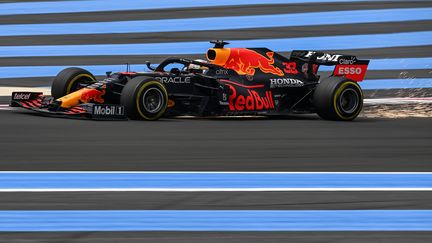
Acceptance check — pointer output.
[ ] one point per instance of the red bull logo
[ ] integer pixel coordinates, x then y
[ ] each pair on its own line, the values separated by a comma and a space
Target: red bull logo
244, 61
251, 102
94, 95
85, 95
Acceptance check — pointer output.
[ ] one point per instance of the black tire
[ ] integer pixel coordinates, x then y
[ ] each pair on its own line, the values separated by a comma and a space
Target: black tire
338, 98
144, 99
69, 80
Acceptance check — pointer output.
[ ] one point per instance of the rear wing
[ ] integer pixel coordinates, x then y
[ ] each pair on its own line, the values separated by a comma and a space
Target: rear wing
346, 65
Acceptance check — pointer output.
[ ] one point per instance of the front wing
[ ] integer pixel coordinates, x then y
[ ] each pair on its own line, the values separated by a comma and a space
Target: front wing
39, 103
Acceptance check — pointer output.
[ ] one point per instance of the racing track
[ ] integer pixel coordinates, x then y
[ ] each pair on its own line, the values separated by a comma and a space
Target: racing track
290, 144
29, 142
302, 143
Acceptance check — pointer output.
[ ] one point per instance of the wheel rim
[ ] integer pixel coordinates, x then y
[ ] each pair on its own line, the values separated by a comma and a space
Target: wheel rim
152, 100
349, 100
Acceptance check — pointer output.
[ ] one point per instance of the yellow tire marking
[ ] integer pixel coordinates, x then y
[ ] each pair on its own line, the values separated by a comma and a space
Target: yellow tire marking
336, 95
165, 94
69, 87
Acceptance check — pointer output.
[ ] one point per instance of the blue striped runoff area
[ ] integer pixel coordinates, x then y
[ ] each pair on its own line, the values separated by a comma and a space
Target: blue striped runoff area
407, 83
221, 23
113, 5
212, 181
215, 220
342, 42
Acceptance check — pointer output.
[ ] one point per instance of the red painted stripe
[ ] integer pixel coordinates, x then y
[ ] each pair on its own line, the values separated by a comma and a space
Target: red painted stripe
30, 104
244, 86
76, 109
36, 103
23, 104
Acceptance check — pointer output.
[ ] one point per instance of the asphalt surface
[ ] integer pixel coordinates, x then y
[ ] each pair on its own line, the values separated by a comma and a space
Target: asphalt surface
391, 200
297, 143
212, 237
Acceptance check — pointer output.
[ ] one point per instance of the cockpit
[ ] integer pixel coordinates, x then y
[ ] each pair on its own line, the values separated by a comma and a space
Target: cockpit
179, 66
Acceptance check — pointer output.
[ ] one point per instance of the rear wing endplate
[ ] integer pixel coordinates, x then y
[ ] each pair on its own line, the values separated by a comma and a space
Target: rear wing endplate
346, 65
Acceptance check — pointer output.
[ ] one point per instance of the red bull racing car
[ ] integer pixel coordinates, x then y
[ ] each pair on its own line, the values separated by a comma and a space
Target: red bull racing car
233, 81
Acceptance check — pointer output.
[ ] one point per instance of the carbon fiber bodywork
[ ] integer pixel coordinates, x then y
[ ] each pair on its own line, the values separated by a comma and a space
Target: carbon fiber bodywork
235, 81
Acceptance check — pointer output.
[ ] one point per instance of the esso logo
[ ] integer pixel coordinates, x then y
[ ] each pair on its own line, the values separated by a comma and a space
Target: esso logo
350, 70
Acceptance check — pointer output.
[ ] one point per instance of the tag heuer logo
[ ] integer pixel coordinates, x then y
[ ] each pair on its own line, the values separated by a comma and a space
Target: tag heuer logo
21, 96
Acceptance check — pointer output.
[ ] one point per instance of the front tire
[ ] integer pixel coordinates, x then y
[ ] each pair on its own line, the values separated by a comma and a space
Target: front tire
70, 80
338, 98
144, 99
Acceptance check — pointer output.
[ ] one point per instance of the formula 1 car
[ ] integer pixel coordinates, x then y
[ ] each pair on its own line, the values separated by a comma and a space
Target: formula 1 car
234, 81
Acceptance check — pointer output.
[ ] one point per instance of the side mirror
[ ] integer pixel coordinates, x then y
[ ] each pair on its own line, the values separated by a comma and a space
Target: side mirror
108, 74
148, 64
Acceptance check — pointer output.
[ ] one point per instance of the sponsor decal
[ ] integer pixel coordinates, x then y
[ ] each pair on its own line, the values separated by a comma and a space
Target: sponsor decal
354, 72
249, 77
251, 102
21, 96
326, 57
349, 70
89, 94
245, 61
285, 82
174, 80
221, 72
290, 67
350, 60
108, 110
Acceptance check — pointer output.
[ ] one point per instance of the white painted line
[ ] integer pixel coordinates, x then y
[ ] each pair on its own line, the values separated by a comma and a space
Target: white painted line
194, 181
398, 101
5, 108
348, 189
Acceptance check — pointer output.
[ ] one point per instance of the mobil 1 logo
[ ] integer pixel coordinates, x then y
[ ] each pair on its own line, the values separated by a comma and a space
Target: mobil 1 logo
101, 111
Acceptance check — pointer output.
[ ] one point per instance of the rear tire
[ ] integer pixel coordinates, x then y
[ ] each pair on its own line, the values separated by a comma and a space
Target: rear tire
338, 98
70, 80
144, 99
